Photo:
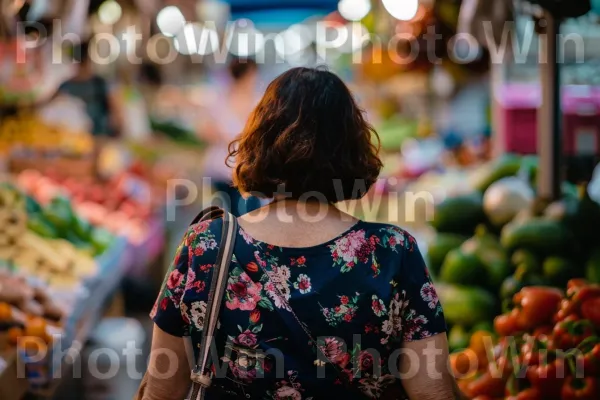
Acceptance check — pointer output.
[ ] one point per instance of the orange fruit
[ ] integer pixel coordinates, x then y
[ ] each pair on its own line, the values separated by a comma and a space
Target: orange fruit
36, 327
5, 312
14, 334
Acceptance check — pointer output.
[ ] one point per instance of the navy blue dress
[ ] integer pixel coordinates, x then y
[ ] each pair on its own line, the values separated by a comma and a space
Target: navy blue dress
359, 296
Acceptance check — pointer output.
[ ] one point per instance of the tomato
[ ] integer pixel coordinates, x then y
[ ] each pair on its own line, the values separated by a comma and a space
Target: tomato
538, 305
548, 378
581, 389
590, 309
507, 324
486, 385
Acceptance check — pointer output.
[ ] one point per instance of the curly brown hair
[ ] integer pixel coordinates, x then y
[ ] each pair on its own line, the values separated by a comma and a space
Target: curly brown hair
308, 137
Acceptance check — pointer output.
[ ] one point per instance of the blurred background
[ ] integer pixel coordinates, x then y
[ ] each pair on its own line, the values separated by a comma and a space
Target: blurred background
487, 112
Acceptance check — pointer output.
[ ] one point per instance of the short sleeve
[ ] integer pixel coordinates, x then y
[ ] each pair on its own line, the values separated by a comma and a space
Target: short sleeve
422, 314
182, 301
166, 312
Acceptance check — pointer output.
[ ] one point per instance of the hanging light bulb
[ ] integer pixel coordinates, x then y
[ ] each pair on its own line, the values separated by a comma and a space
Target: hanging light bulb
170, 21
404, 10
354, 10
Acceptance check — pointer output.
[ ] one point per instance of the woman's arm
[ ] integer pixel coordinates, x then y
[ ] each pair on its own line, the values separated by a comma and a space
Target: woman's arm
425, 370
169, 370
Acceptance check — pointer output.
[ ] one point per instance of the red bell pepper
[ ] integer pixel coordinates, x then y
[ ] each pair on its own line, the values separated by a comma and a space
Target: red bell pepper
581, 389
578, 295
486, 385
589, 358
574, 284
548, 378
561, 336
590, 310
537, 306
507, 324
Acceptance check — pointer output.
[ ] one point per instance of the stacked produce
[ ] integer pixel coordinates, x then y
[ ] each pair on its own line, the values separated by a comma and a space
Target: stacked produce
29, 134
121, 206
40, 274
497, 240
31, 238
547, 348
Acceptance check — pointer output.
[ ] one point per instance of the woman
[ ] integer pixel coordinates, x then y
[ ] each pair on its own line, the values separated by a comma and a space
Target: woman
226, 122
360, 290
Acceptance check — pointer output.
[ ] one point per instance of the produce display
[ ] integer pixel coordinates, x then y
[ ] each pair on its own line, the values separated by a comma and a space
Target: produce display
121, 206
546, 347
27, 134
497, 239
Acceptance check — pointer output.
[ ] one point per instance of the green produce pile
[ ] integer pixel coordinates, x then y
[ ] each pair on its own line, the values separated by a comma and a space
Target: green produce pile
58, 220
175, 132
496, 240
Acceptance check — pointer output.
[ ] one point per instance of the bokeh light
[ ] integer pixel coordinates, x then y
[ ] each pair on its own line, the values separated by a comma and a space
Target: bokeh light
110, 12
170, 21
404, 10
354, 10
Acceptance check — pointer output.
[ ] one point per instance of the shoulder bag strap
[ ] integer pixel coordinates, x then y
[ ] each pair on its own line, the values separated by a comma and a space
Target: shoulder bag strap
200, 376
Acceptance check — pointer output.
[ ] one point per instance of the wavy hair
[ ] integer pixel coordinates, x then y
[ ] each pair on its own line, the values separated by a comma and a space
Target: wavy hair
308, 136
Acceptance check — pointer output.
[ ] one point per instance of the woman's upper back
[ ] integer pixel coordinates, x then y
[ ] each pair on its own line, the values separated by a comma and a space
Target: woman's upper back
359, 296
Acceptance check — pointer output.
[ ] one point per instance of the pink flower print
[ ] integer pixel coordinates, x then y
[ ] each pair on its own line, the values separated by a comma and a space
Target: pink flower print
175, 279
429, 295
344, 300
247, 238
246, 338
191, 279
332, 349
303, 284
365, 361
287, 393
201, 227
348, 245
260, 261
242, 372
242, 293
378, 306
198, 251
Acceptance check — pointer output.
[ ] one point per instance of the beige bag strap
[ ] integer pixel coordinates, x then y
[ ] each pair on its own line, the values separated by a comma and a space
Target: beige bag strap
200, 376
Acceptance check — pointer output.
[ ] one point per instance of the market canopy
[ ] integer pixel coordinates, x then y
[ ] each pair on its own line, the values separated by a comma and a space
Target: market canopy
280, 12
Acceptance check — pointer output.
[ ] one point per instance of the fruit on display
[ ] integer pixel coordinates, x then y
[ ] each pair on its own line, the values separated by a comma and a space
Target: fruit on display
498, 241
546, 347
466, 306
504, 199
459, 215
121, 206
29, 133
437, 250
507, 165
43, 241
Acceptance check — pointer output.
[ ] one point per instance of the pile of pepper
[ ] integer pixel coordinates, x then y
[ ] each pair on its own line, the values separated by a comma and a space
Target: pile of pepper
547, 348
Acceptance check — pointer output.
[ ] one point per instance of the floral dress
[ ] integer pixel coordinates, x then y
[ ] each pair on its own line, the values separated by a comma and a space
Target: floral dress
359, 296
